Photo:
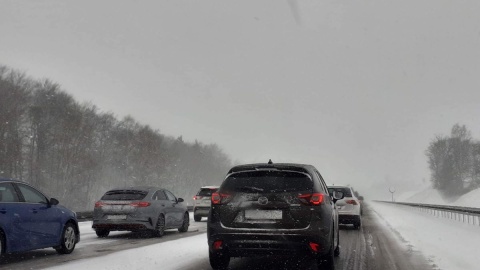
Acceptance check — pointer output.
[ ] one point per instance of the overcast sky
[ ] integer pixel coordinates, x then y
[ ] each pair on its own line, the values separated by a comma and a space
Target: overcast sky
357, 88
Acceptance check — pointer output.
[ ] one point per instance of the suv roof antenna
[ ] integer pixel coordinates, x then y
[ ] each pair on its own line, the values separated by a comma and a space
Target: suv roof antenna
270, 161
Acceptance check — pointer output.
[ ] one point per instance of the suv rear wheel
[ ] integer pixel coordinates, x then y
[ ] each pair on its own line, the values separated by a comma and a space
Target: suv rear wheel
217, 261
197, 218
327, 261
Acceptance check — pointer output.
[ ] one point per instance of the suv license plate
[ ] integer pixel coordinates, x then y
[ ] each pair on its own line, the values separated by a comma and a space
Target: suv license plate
117, 217
263, 214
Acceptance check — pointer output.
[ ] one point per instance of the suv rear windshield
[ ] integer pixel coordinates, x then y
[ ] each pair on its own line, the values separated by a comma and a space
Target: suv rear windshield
124, 195
267, 182
206, 192
346, 191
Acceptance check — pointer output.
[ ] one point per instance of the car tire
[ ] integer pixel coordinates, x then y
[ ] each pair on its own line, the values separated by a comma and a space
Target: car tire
357, 225
69, 237
327, 261
197, 218
185, 223
336, 252
3, 244
160, 227
102, 233
218, 261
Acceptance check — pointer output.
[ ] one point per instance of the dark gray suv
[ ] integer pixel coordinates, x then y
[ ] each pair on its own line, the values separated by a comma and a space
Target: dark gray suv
273, 209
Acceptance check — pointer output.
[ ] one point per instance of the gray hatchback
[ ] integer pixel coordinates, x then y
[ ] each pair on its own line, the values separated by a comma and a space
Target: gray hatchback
139, 209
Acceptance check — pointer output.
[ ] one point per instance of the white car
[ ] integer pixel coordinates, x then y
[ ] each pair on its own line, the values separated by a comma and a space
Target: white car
349, 208
203, 201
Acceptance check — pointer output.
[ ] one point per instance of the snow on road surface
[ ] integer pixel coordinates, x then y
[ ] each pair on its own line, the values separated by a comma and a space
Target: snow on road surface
171, 255
450, 244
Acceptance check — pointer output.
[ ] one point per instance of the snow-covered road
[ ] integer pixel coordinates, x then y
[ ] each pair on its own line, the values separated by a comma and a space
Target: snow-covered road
391, 237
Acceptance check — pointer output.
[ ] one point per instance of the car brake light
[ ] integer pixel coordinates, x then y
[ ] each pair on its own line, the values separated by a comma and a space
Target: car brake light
197, 197
140, 204
312, 198
99, 204
219, 198
351, 202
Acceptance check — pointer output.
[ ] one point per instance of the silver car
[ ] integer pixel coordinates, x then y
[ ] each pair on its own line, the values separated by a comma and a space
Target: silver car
139, 209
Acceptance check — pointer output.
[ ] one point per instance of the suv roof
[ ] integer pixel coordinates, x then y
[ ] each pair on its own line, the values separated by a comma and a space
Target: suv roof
210, 187
279, 166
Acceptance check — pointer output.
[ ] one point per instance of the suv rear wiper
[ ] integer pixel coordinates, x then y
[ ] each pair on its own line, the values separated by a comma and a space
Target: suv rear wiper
251, 188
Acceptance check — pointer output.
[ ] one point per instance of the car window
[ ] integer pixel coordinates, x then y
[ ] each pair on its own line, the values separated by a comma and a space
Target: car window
322, 182
346, 191
124, 195
32, 195
206, 192
7, 193
170, 196
267, 181
160, 196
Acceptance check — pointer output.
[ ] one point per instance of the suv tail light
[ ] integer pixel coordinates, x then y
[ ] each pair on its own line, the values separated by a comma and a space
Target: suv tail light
197, 197
312, 198
219, 198
351, 202
140, 204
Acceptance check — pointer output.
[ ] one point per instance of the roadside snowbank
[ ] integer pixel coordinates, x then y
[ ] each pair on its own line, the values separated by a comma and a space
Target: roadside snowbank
449, 244
433, 196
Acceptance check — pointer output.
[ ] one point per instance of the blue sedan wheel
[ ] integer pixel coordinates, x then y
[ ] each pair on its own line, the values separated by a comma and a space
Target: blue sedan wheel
2, 243
68, 240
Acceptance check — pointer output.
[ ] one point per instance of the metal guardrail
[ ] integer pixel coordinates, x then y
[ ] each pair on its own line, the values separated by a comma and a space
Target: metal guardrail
470, 215
88, 215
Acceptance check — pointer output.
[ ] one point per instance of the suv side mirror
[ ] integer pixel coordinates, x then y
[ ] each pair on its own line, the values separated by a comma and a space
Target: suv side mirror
337, 195
180, 200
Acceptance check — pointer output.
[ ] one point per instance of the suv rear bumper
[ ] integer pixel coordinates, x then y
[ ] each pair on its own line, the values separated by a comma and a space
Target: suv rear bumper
249, 243
348, 219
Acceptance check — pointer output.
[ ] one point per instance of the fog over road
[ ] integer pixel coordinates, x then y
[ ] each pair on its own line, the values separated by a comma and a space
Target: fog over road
374, 246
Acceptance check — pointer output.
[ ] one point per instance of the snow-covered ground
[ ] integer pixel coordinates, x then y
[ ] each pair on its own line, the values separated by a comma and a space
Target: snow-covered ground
432, 196
449, 244
171, 255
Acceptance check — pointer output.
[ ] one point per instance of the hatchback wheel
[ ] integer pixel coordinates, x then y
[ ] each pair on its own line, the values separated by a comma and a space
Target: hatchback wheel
102, 233
185, 224
197, 218
160, 228
218, 261
69, 237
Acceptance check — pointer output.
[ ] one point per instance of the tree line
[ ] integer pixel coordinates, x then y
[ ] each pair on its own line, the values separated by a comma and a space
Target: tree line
75, 152
454, 162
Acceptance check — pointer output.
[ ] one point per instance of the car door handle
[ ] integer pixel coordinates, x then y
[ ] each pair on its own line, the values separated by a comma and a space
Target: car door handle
3, 211
33, 211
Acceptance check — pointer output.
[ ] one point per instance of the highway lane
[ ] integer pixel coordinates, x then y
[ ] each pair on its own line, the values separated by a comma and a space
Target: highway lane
374, 246
92, 246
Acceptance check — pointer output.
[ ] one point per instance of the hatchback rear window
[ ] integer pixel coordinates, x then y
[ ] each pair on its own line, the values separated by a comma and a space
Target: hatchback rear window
267, 182
346, 191
124, 195
206, 192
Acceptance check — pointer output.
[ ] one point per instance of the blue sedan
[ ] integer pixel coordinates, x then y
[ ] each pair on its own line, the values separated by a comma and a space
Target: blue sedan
30, 220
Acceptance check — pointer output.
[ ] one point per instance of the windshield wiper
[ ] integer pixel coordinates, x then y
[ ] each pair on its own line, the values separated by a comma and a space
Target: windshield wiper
248, 188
